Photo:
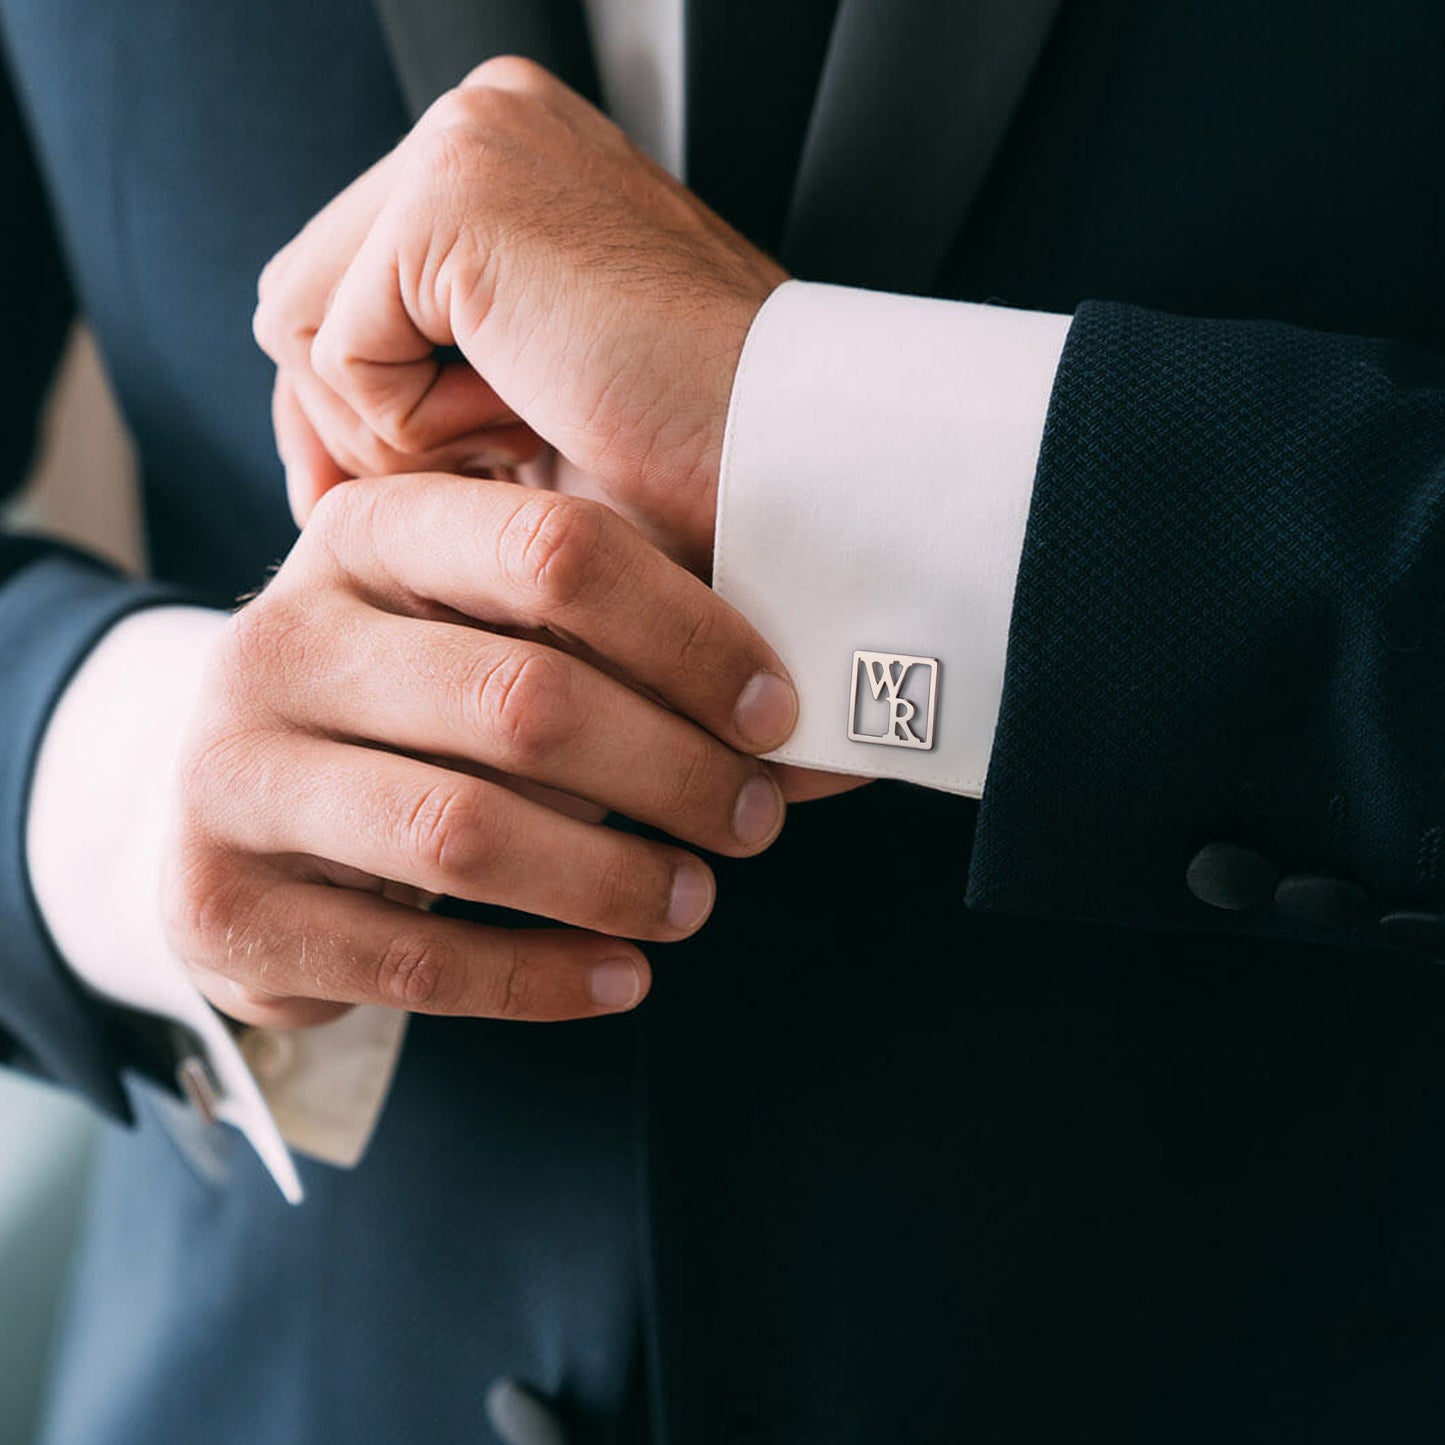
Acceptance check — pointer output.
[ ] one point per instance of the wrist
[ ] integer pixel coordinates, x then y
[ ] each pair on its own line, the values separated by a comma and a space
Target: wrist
729, 349
101, 797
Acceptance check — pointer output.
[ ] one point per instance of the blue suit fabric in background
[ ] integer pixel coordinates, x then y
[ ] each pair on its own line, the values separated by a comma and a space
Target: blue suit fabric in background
958, 1122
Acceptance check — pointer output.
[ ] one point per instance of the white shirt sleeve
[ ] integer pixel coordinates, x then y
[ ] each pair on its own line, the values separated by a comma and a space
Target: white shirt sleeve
95, 869
876, 480
319, 1090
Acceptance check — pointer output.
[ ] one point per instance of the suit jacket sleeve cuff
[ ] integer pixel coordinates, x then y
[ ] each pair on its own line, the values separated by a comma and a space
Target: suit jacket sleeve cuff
320, 1090
54, 604
1225, 668
875, 485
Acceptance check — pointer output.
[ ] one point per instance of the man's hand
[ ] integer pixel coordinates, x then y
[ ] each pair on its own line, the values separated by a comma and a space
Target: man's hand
356, 717
601, 306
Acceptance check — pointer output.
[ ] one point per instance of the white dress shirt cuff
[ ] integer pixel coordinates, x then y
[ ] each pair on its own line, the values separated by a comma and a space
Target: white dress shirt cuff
96, 837
875, 486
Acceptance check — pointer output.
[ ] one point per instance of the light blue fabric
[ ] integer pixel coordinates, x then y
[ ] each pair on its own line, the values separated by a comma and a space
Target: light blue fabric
45, 1148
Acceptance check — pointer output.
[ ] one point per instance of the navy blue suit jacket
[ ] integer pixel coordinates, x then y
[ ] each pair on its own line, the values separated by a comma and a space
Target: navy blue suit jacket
957, 1122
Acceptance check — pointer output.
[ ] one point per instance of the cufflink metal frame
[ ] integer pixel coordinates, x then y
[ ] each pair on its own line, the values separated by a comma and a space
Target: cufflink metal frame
893, 700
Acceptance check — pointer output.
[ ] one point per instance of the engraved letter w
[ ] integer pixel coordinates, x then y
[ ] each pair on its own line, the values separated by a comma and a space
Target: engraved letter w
888, 676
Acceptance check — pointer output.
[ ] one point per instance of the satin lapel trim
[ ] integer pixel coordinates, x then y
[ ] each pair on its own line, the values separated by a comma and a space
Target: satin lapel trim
434, 43
915, 100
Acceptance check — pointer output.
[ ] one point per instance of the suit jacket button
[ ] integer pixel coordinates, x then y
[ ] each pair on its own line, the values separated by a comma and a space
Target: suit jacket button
1226, 875
518, 1417
1422, 931
1321, 902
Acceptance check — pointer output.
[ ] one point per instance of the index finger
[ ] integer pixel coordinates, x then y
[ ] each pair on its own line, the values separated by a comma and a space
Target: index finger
509, 556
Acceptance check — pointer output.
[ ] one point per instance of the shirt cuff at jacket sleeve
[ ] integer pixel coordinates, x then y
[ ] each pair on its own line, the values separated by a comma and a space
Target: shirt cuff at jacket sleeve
875, 485
54, 604
319, 1090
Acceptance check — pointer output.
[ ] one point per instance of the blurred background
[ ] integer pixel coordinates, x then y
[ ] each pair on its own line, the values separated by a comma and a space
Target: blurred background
83, 490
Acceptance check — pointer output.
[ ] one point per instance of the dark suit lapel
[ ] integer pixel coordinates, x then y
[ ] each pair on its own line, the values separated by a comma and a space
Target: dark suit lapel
753, 68
434, 43
915, 99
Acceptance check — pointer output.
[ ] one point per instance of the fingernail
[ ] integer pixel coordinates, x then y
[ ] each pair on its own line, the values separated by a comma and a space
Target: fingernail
766, 710
758, 812
614, 983
692, 895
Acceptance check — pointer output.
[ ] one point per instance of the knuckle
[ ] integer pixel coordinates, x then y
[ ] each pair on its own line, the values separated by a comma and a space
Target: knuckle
393, 430
204, 770
448, 832
205, 907
526, 705
383, 399
352, 532
514, 981
238, 697
245, 642
270, 276
329, 357
281, 340
265, 643
387, 428
454, 109
273, 275
329, 517
250, 640
416, 971
510, 72
554, 548
392, 415
339, 513
265, 330
615, 889
265, 318
279, 325
688, 782
447, 147
698, 640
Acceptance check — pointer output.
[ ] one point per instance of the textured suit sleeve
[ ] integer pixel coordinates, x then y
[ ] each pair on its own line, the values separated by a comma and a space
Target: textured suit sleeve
1224, 698
54, 604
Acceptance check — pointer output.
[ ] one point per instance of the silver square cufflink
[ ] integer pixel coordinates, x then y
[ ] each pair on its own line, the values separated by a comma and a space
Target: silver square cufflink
893, 699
